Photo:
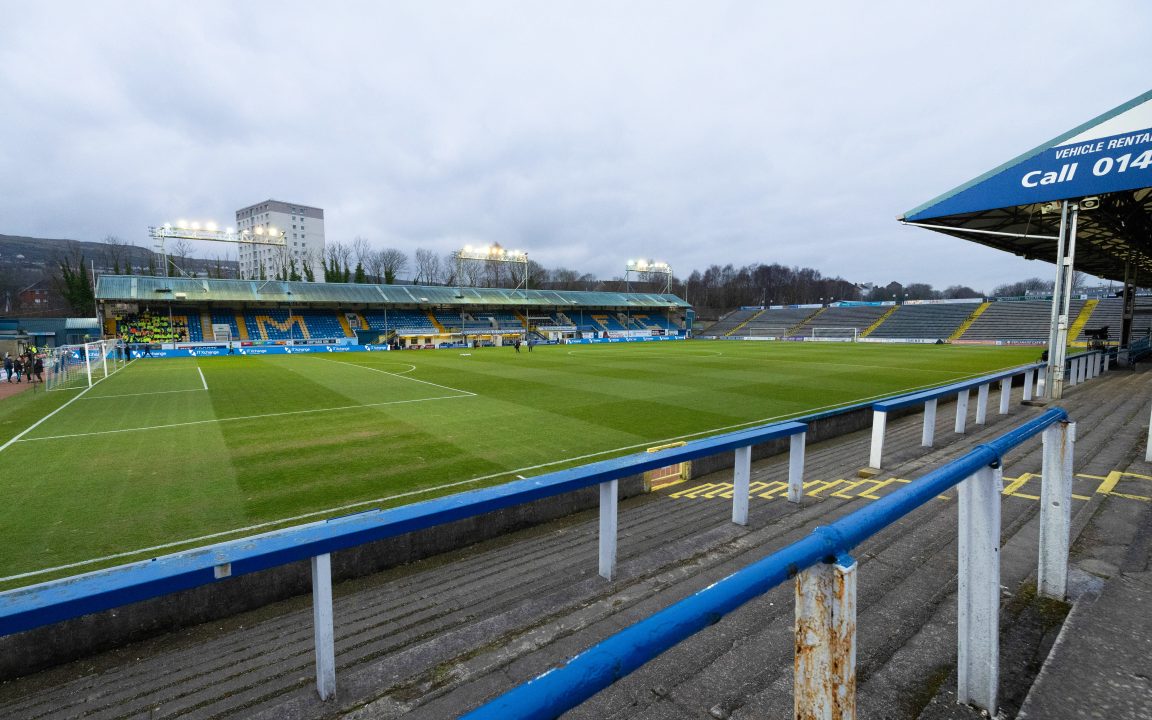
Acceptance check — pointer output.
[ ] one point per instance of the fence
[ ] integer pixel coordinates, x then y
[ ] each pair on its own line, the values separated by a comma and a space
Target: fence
824, 684
38, 605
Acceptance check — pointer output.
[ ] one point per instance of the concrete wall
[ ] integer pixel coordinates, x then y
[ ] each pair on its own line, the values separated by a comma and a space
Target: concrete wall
43, 647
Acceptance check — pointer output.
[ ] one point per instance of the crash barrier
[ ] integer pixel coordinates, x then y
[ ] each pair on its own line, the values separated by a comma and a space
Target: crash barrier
825, 682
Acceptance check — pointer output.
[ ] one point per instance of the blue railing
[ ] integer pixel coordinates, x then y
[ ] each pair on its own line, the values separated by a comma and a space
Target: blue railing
50, 602
561, 689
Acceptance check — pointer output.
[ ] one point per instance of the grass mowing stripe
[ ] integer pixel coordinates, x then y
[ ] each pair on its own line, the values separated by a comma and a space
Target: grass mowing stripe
517, 473
398, 375
232, 419
157, 392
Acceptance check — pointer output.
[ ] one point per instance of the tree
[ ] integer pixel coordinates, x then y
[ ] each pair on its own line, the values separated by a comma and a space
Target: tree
358, 277
958, 292
393, 262
178, 257
1031, 286
116, 251
919, 291
75, 284
427, 267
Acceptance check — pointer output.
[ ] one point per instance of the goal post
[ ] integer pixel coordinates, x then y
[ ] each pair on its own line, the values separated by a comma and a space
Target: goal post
74, 367
835, 334
764, 331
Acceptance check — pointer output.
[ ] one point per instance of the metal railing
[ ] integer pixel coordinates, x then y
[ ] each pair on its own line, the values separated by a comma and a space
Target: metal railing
55, 601
826, 590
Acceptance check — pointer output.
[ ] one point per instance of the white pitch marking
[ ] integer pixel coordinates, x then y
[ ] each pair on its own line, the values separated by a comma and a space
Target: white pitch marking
202, 377
157, 392
399, 375
241, 417
424, 491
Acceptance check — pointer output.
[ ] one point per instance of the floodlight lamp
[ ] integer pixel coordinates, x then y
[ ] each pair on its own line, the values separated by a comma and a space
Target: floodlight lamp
195, 226
167, 226
230, 230
210, 226
259, 229
181, 223
467, 248
272, 230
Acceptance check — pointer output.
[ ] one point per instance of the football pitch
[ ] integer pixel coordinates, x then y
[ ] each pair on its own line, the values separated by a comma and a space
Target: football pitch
164, 455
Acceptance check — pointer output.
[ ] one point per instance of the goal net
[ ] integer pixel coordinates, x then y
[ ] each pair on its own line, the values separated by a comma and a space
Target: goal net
73, 367
763, 331
833, 334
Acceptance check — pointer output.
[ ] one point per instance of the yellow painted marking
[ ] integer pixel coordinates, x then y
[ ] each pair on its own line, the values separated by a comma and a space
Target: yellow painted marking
777, 488
877, 484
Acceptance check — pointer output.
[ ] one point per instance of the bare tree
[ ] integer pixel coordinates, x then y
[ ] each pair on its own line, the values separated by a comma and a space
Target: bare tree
178, 254
362, 250
393, 262
117, 255
427, 267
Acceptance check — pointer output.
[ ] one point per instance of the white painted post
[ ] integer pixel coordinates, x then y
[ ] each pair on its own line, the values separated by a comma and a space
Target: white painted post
928, 436
322, 626
741, 479
879, 422
1082, 370
1055, 510
1073, 372
1041, 380
796, 467
1028, 385
961, 410
1097, 364
978, 590
608, 527
1148, 445
1107, 361
982, 404
824, 681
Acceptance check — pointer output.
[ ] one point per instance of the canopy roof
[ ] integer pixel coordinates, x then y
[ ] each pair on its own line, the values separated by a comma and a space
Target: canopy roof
136, 289
1109, 157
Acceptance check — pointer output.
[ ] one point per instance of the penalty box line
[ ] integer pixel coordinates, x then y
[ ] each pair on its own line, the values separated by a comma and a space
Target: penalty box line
234, 419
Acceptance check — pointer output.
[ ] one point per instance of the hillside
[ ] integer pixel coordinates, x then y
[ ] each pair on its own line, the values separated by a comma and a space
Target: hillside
17, 251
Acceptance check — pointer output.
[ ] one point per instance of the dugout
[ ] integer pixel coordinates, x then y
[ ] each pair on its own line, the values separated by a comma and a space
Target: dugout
1082, 201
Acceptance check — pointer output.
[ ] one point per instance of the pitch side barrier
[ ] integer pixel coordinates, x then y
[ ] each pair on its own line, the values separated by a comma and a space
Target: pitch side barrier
51, 602
825, 677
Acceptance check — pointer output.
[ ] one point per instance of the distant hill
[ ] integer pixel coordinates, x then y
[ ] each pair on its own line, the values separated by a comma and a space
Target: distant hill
18, 251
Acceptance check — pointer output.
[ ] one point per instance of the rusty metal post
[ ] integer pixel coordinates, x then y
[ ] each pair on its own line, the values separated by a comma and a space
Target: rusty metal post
796, 467
1055, 510
824, 684
741, 481
978, 590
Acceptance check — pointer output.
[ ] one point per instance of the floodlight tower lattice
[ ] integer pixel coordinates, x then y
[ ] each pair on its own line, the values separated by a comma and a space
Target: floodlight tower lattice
648, 267
489, 254
210, 232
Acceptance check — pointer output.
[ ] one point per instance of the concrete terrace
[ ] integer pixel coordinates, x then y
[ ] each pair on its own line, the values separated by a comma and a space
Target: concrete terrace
436, 638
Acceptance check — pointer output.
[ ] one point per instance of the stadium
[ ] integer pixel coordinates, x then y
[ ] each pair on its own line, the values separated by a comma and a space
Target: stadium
273, 498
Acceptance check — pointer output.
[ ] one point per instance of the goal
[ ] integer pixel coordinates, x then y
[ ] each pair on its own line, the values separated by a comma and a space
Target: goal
833, 334
764, 331
73, 367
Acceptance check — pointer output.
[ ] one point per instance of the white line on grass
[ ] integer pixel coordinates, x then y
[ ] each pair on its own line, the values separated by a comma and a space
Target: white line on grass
202, 377
156, 392
241, 417
399, 375
43, 419
518, 473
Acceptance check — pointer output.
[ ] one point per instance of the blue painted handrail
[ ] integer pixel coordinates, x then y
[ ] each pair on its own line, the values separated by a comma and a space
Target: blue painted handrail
904, 401
560, 689
50, 602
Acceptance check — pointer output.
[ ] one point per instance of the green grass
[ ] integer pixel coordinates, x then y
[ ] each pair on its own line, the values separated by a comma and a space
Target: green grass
149, 457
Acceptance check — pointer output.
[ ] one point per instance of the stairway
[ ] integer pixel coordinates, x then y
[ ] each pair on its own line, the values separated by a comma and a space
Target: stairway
958, 332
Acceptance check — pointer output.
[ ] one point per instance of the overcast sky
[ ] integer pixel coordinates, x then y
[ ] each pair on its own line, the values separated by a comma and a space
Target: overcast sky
586, 133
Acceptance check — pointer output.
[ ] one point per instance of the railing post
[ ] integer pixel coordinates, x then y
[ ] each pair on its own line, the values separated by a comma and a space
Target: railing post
824, 683
741, 479
1148, 445
1005, 394
796, 466
1082, 370
608, 526
1107, 360
1055, 510
928, 436
978, 590
322, 626
1028, 384
1073, 372
961, 410
982, 404
1041, 379
879, 421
